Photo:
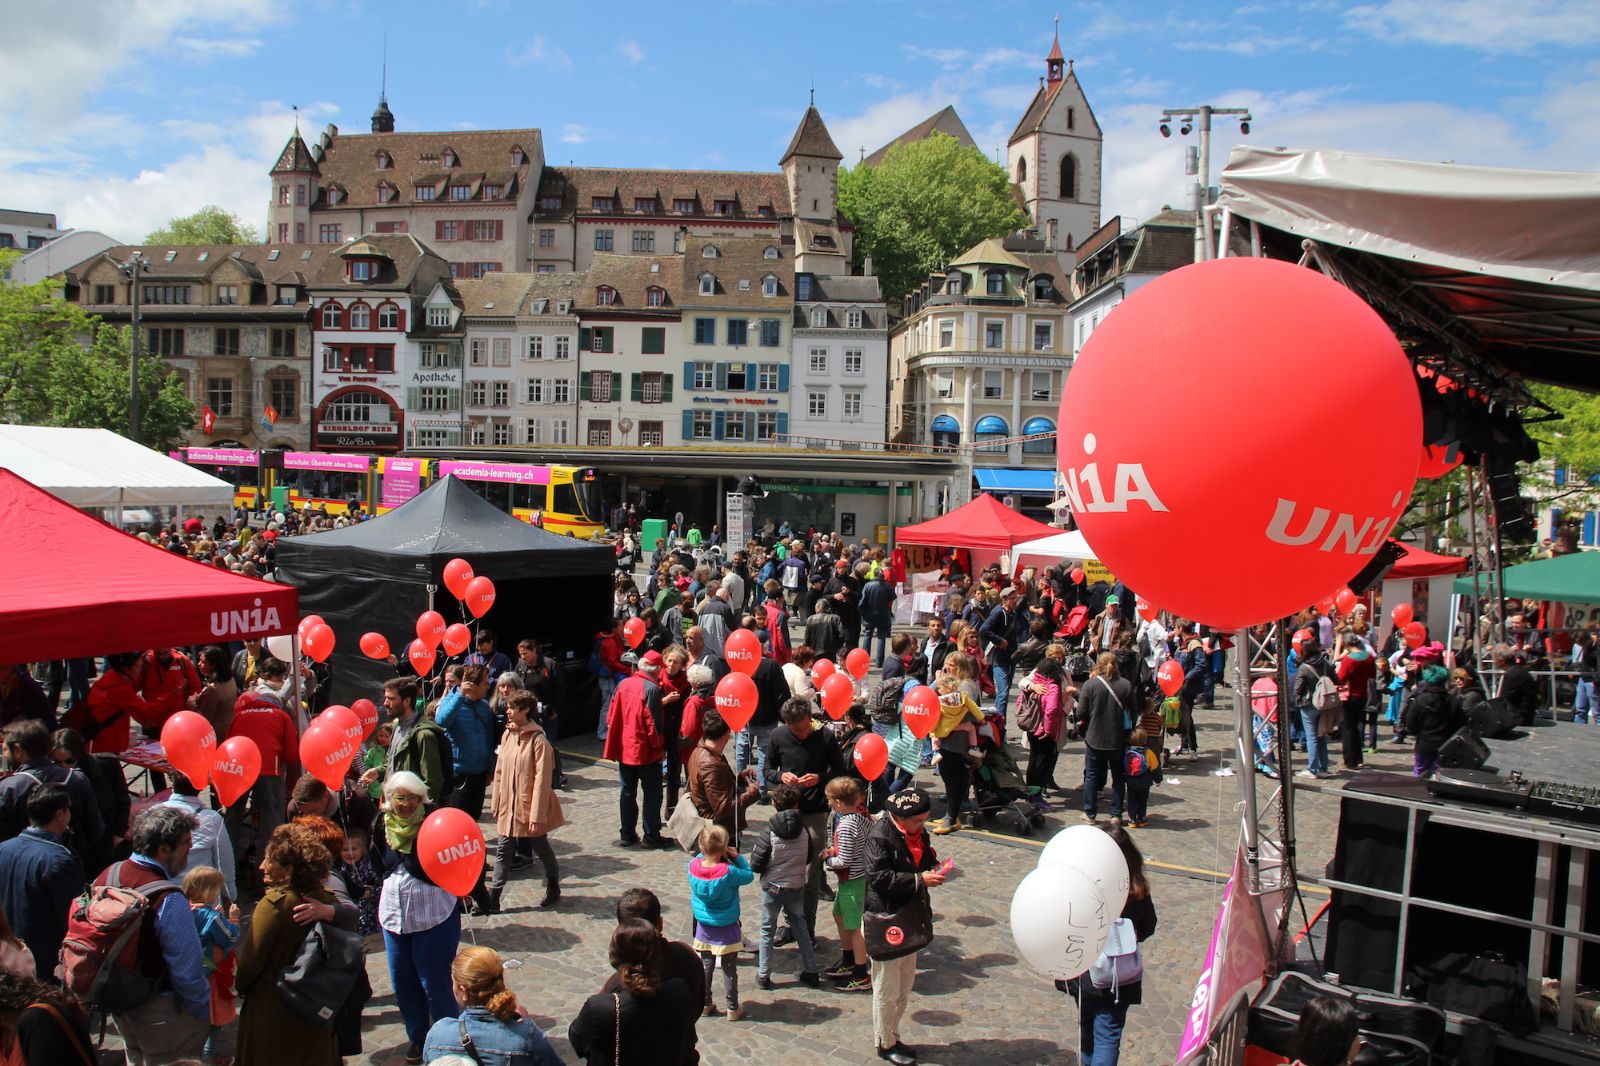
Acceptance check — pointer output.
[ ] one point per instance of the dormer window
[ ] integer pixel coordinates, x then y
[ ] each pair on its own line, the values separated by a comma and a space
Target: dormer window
439, 317
708, 284
683, 207
602, 203
383, 160
1043, 286
769, 252
709, 252
335, 194
769, 285
425, 192
518, 157
460, 192
852, 318
644, 205
493, 192
605, 296
387, 193
363, 269
550, 203
765, 211
563, 306
819, 317
722, 207
449, 158
287, 294
952, 286
996, 282
655, 296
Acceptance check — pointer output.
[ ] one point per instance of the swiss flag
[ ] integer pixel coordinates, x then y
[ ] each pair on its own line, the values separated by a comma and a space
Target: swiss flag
208, 418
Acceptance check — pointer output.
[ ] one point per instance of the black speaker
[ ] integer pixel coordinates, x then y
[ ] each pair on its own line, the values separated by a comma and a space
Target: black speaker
1493, 718
1383, 560
1463, 751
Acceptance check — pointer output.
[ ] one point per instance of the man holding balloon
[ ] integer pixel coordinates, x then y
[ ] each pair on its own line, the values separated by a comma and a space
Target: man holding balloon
260, 718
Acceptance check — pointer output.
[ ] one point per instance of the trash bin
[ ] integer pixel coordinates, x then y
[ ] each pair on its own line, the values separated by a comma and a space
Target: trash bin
650, 531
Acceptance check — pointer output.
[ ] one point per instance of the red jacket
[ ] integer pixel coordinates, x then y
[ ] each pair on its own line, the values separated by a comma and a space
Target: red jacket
633, 723
777, 631
611, 656
113, 699
179, 676
272, 729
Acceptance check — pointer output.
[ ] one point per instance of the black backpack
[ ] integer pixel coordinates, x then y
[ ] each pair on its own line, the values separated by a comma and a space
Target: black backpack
323, 974
883, 700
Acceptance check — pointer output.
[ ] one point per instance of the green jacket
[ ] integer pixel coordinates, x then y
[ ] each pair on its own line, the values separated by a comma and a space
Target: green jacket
425, 751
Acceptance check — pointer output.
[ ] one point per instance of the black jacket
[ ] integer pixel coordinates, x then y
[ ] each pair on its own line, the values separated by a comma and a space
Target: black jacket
1431, 716
1521, 691
647, 1025
817, 754
1306, 677
877, 599
771, 692
891, 874
1100, 713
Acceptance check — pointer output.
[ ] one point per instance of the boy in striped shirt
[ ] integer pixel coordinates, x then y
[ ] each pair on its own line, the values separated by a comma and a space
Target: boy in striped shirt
846, 856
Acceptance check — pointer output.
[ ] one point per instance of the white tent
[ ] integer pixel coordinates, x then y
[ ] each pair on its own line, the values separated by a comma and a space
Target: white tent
98, 468
1048, 551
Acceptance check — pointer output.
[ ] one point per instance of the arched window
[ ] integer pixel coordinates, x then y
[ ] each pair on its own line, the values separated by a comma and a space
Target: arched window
360, 317
946, 431
709, 252
990, 428
331, 316
358, 406
996, 283
1072, 119
1069, 177
388, 316
1042, 446
708, 283
1022, 170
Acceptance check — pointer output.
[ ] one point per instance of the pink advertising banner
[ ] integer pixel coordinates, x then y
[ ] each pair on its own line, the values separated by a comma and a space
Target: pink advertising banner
1235, 963
223, 456
402, 479
516, 473
351, 464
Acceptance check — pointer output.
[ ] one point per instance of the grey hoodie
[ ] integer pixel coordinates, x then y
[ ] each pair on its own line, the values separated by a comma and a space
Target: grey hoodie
783, 854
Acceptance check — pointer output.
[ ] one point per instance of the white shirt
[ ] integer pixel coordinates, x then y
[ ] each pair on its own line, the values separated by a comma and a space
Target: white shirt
408, 905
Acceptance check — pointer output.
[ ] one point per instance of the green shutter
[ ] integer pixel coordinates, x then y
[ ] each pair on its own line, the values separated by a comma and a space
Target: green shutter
583, 338
636, 388
688, 426
749, 426
583, 386
653, 341
666, 388
606, 338
719, 425
750, 377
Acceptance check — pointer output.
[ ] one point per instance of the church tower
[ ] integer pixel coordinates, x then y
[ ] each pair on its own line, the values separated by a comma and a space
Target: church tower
294, 187
811, 171
1054, 157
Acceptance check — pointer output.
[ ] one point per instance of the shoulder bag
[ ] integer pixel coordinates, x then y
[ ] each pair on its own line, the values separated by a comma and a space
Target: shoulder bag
325, 968
616, 1037
686, 824
901, 932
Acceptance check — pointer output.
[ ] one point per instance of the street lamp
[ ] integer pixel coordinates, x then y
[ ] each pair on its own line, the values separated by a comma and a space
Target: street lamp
133, 269
1191, 117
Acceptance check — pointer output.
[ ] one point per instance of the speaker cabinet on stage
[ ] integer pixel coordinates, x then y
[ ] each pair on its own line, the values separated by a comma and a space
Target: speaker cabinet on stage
1463, 751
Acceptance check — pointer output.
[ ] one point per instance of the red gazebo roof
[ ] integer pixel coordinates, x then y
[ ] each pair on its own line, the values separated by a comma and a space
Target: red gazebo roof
983, 523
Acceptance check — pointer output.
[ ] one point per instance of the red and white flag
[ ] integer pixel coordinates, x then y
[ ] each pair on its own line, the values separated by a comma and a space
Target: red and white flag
208, 418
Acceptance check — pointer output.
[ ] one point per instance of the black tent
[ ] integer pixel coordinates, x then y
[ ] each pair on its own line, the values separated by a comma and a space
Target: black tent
378, 576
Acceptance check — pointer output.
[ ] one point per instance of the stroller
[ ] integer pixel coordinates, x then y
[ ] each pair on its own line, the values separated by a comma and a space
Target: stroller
998, 787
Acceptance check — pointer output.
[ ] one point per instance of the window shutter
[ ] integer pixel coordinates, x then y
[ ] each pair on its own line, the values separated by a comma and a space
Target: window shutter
783, 378
722, 376
666, 388
454, 399
688, 426
719, 425
783, 424
499, 229
688, 375
749, 426
750, 377
583, 338
636, 388
583, 386
413, 398
438, 229
606, 339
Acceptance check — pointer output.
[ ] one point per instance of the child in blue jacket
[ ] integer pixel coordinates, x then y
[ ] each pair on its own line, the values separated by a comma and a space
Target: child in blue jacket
715, 877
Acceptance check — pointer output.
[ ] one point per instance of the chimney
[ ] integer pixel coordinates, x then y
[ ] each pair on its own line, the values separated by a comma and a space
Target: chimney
1050, 235
866, 265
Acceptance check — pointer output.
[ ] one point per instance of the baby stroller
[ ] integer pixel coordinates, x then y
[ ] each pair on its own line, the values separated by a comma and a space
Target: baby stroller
999, 791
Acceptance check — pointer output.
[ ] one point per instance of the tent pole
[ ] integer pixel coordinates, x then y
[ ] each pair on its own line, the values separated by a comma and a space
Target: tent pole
1244, 740
294, 674
1477, 599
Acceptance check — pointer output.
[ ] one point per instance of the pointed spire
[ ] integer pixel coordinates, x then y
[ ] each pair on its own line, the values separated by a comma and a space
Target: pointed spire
1055, 49
812, 139
295, 157
382, 117
1055, 61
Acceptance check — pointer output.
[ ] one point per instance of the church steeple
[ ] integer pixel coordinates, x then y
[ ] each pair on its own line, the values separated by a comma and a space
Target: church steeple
383, 118
1054, 62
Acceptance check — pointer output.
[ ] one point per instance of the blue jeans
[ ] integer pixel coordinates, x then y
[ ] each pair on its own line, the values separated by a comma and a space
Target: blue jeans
1584, 705
1100, 1022
1095, 763
1002, 686
755, 735
791, 903
1316, 747
876, 628
1217, 661
608, 688
632, 777
419, 968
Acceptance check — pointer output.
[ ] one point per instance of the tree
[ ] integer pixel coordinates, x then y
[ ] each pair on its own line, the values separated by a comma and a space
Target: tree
928, 202
209, 225
62, 367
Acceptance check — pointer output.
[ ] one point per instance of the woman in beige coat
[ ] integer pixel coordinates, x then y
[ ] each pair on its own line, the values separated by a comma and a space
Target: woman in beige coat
523, 797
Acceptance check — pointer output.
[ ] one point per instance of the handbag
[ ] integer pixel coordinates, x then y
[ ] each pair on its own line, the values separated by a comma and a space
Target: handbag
904, 931
1127, 719
1120, 962
318, 982
686, 824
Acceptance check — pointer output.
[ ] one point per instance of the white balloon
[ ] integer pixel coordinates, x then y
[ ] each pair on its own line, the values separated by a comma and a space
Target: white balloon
1094, 852
281, 648
1060, 921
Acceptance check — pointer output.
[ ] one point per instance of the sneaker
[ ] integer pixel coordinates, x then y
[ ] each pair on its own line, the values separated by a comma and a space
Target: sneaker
811, 980
764, 982
783, 936
1090, 818
734, 1014
842, 968
1307, 774
414, 1051
852, 983
946, 827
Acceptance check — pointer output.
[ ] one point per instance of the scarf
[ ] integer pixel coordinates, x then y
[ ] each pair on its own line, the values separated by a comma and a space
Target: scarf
402, 832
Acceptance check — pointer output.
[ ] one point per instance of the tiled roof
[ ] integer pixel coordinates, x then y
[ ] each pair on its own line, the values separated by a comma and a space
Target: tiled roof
1032, 117
811, 138
846, 288
632, 276
37, 219
495, 294
818, 236
1165, 242
399, 255
545, 291
740, 266
945, 121
295, 157
989, 253
579, 186
194, 262
350, 161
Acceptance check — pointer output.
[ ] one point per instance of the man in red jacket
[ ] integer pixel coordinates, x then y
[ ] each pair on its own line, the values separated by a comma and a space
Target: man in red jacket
636, 740
259, 715
114, 699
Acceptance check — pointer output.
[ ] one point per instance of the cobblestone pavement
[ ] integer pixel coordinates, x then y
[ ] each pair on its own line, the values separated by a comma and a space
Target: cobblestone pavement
974, 1001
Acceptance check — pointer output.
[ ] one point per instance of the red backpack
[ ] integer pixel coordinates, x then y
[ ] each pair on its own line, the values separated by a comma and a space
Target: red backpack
100, 955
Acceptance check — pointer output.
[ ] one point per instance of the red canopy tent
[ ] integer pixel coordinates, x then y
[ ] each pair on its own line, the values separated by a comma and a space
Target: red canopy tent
1417, 563
71, 585
985, 524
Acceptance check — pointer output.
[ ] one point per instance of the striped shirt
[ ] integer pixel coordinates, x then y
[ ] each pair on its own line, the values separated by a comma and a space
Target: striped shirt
850, 841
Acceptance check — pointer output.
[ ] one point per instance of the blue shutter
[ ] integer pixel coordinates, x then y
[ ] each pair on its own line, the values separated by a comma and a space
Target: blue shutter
783, 378
722, 376
783, 423
750, 377
749, 426
688, 426
719, 425
688, 375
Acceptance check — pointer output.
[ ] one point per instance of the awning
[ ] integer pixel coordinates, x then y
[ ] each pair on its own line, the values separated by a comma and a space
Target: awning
1564, 579
98, 468
945, 424
1029, 482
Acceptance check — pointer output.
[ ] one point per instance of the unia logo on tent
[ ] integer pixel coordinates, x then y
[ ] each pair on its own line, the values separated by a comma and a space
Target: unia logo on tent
251, 621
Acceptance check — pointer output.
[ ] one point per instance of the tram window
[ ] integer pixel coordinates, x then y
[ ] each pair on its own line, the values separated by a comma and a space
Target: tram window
496, 492
564, 499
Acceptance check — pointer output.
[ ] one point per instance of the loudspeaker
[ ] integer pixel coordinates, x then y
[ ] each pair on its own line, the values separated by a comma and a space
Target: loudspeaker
1493, 718
1513, 512
1463, 751
1383, 560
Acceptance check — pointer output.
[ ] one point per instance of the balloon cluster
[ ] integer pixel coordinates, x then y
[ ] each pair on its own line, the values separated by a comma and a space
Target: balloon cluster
1062, 911
475, 594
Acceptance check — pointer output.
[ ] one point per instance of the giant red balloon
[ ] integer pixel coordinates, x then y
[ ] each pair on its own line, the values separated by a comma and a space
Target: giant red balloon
1237, 335
857, 663
633, 631
479, 597
742, 650
450, 848
1169, 675
235, 769
430, 628
421, 657
1401, 615
190, 744
736, 700
457, 639
318, 642
325, 752
374, 646
1435, 462
367, 711
457, 576
871, 755
837, 695
920, 710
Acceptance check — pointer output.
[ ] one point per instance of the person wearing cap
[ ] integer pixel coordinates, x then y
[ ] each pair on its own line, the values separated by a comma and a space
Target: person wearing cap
900, 864
636, 741
1105, 628
1003, 630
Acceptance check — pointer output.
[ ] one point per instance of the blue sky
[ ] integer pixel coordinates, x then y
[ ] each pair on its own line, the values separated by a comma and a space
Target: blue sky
119, 115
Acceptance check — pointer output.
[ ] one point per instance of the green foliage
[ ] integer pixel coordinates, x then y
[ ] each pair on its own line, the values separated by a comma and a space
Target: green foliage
61, 367
209, 225
1573, 440
927, 203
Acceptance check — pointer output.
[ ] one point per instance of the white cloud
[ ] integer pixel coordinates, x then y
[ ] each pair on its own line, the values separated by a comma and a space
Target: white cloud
542, 52
1485, 25
573, 133
631, 51
202, 49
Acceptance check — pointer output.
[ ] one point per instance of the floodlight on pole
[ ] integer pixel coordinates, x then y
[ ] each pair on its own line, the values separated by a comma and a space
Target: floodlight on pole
1190, 119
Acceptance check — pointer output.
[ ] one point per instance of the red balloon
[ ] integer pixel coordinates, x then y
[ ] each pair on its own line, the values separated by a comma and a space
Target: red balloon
345, 721
190, 744
1238, 334
736, 700
857, 663
633, 631
1416, 634
457, 576
1435, 462
318, 642
367, 711
421, 657
306, 623
1299, 641
479, 597
450, 847
742, 650
1325, 605
325, 752
1146, 609
430, 628
871, 755
920, 709
1401, 615
1345, 601
457, 639
235, 769
1169, 675
1076, 573
837, 695
374, 645
821, 670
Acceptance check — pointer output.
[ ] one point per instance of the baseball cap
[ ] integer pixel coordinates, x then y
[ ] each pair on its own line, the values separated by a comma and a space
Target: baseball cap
1112, 599
651, 658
